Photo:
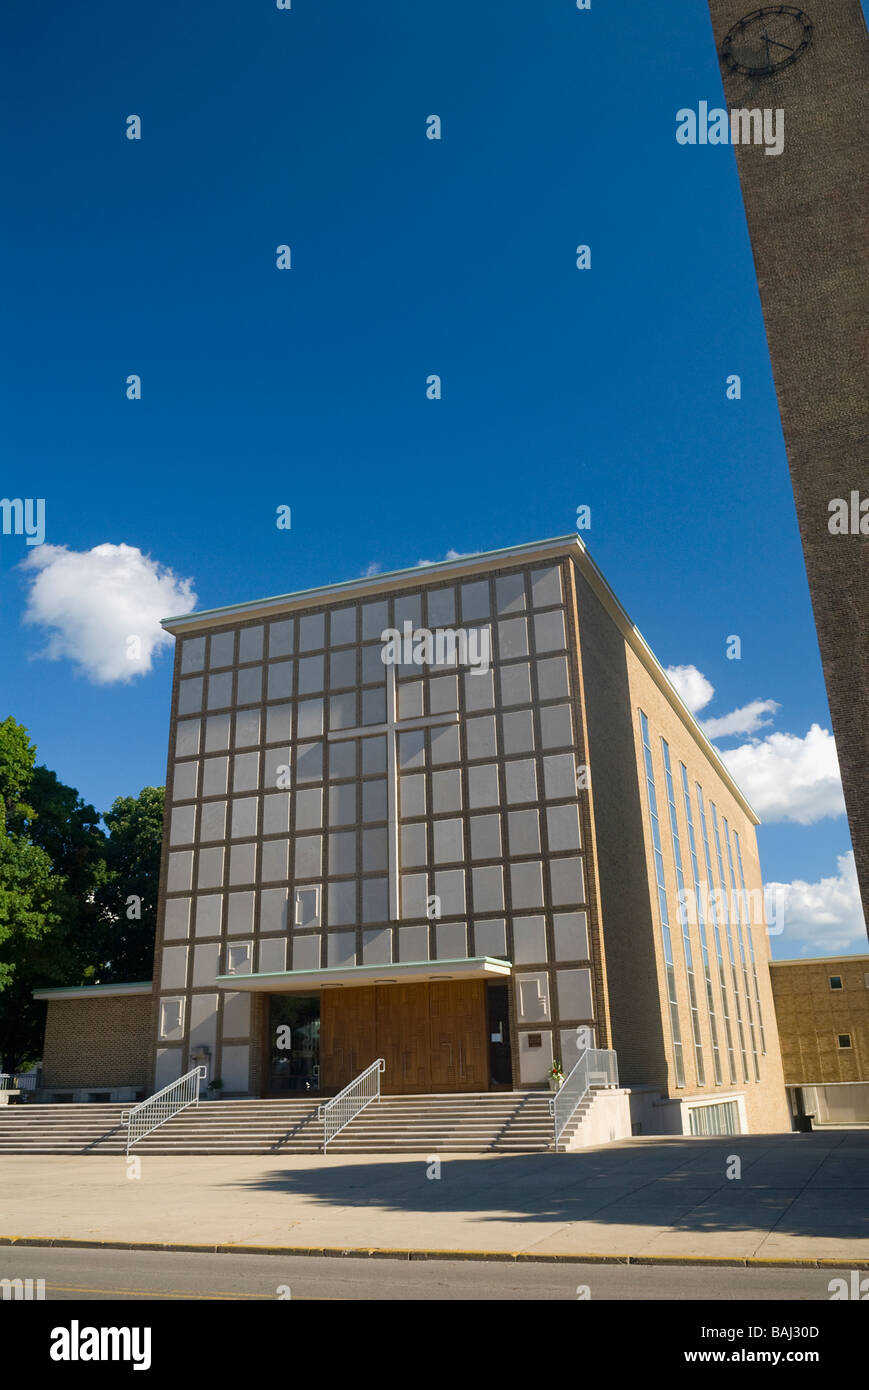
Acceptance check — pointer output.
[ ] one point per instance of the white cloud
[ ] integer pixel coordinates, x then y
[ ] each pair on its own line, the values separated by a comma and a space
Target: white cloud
740, 721
450, 555
787, 778
92, 602
691, 685
370, 570
822, 918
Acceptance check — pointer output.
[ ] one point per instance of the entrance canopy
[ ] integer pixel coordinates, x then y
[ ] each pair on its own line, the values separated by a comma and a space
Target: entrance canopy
409, 972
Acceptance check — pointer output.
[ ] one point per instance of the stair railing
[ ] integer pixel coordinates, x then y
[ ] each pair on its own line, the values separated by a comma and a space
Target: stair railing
596, 1066
149, 1114
341, 1109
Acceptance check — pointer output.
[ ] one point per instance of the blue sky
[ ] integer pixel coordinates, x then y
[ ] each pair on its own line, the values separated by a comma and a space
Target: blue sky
410, 257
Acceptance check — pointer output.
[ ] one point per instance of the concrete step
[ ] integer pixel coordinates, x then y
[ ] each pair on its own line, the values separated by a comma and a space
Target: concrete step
476, 1122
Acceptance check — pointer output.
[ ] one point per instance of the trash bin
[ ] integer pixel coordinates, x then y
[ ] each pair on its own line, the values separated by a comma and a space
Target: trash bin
804, 1123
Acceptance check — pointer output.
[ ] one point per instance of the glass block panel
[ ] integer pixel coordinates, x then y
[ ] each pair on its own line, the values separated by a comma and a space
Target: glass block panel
549, 633
279, 723
192, 654
414, 853
441, 607
190, 695
342, 669
250, 643
222, 651
309, 719
375, 849
546, 587
516, 684
375, 619
215, 776
309, 762
187, 737
216, 732
342, 626
342, 852
373, 754
510, 593
312, 632
309, 808
342, 759
343, 713
281, 638
342, 804
280, 680
310, 674
374, 805
249, 686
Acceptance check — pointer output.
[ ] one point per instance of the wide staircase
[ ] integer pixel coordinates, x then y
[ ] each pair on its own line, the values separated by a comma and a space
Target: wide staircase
488, 1122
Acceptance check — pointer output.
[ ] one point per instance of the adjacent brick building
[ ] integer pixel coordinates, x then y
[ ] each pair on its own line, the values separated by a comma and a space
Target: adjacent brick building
97, 1042
822, 1008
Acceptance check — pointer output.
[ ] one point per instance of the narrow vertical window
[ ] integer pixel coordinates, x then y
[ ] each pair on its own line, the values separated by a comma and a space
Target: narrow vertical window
662, 906
750, 940
683, 919
713, 917
743, 958
701, 925
725, 913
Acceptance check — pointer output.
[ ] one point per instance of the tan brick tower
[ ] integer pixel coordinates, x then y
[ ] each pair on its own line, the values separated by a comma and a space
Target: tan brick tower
807, 211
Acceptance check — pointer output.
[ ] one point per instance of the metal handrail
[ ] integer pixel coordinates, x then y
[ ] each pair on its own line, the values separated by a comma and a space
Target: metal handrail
145, 1117
18, 1081
596, 1066
341, 1109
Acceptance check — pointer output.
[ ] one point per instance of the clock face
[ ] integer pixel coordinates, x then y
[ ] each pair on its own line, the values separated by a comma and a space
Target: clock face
767, 40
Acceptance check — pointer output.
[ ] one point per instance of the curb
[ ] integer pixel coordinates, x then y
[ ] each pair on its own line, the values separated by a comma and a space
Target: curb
390, 1253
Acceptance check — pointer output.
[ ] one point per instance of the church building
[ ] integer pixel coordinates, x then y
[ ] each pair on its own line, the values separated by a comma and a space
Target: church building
458, 818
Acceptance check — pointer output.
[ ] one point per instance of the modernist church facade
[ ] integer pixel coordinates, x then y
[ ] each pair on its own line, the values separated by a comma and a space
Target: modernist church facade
452, 817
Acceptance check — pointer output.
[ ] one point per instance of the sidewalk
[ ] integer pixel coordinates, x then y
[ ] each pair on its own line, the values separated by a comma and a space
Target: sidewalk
801, 1198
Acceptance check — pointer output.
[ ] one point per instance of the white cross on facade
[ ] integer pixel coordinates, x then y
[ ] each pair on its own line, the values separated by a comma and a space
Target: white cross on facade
392, 728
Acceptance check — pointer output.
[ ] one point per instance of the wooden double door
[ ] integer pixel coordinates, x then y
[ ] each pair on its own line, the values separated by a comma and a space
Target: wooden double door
432, 1036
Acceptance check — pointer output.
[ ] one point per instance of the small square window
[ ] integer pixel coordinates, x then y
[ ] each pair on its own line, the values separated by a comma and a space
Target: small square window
835, 982
535, 1040
844, 1041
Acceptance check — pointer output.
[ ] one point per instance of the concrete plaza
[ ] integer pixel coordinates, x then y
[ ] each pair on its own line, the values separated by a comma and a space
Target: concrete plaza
800, 1197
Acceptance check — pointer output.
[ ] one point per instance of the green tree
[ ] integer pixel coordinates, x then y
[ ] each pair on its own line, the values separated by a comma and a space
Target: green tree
78, 904
30, 895
128, 895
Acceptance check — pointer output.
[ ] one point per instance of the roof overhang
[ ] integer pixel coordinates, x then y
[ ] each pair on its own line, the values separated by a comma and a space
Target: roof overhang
348, 976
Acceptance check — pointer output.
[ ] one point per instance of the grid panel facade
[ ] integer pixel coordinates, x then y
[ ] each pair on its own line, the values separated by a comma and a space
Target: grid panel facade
279, 853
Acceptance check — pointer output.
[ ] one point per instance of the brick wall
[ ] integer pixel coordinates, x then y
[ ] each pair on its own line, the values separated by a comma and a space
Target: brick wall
98, 1042
617, 687
811, 1016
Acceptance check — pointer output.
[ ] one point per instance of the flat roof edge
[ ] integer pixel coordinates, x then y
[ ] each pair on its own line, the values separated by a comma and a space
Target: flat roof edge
324, 593
93, 991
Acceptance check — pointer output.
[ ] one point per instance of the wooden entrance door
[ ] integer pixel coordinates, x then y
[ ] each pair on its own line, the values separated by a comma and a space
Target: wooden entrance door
403, 1038
432, 1036
459, 1057
348, 1035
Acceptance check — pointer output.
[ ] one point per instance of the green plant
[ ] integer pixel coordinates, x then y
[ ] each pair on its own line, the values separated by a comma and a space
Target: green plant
556, 1071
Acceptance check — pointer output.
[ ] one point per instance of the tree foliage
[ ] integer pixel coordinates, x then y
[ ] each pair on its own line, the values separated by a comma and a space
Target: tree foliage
77, 901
